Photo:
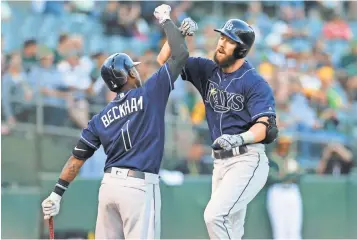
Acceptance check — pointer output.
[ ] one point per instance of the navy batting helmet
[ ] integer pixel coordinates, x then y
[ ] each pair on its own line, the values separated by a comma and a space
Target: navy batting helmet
115, 70
240, 32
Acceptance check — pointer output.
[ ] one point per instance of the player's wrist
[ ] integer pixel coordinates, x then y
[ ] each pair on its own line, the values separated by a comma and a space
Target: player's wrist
247, 137
60, 187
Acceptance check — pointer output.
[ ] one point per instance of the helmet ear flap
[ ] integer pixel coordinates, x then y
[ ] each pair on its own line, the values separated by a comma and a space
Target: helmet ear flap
240, 52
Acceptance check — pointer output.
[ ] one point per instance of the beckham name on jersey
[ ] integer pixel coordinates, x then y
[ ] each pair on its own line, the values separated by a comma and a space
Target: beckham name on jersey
120, 111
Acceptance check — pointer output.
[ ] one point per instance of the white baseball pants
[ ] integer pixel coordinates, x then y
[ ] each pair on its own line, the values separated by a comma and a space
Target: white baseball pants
285, 211
128, 208
235, 182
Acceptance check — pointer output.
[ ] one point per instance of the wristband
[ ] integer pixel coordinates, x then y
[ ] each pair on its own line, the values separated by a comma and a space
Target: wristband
248, 137
60, 187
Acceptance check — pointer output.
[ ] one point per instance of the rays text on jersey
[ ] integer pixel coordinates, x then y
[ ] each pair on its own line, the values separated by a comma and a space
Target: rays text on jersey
223, 101
122, 110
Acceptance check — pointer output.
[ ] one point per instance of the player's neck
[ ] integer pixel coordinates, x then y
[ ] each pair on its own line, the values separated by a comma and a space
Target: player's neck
234, 67
128, 86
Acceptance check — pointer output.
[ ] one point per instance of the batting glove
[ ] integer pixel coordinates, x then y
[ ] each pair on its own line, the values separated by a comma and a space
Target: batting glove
51, 205
227, 142
188, 27
162, 13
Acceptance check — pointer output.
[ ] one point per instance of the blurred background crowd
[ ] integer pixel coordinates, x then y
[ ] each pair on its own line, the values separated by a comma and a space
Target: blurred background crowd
307, 51
52, 51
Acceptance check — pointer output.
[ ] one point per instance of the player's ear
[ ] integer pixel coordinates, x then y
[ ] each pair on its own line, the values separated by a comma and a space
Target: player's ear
133, 73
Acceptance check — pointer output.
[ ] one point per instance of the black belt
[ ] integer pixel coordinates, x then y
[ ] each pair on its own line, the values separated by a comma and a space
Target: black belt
131, 173
221, 154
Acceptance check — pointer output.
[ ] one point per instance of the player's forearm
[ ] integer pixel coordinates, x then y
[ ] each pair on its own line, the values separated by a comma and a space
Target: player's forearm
164, 54
179, 51
256, 133
71, 169
68, 174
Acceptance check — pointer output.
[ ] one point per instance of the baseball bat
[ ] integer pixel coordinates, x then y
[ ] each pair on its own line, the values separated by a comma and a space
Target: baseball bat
51, 228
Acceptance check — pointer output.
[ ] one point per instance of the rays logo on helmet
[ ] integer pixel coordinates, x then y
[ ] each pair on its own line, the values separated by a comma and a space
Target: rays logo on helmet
229, 25
222, 101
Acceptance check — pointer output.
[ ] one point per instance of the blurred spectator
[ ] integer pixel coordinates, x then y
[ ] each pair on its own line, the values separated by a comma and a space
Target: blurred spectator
284, 201
5, 11
47, 81
56, 7
336, 28
16, 93
76, 77
80, 6
348, 62
98, 91
302, 115
38, 6
3, 57
29, 59
333, 93
336, 160
63, 46
178, 12
256, 17
194, 164
120, 18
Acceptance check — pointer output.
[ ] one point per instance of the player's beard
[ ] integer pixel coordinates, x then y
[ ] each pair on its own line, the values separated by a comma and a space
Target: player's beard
225, 62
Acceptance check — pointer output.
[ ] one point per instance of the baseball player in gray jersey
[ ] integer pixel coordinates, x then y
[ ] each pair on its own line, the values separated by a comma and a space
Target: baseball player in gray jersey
240, 111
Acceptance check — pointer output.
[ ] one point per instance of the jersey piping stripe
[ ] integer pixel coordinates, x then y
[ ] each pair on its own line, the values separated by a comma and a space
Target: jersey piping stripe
225, 216
184, 76
169, 77
127, 130
262, 114
122, 134
219, 78
153, 191
220, 121
90, 144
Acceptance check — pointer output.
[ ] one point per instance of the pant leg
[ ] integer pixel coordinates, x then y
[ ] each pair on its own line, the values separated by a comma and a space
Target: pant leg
277, 211
154, 226
140, 207
238, 220
295, 212
218, 167
244, 177
109, 224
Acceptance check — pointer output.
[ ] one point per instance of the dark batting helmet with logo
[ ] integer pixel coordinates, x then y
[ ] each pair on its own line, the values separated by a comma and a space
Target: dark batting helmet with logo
240, 32
115, 70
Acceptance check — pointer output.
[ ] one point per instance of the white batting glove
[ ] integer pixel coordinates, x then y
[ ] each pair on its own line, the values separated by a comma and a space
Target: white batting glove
227, 142
162, 12
188, 27
51, 205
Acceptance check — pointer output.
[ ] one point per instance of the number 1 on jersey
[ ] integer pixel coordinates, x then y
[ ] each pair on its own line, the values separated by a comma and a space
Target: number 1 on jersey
126, 136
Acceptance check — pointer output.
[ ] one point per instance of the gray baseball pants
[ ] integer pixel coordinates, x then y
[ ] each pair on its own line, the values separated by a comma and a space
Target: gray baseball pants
235, 182
128, 208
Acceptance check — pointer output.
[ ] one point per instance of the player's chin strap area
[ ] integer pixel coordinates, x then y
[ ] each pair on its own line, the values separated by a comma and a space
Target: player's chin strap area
221, 154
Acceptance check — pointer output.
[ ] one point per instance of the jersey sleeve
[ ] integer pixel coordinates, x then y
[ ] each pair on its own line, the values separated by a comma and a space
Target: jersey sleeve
196, 71
161, 83
89, 135
260, 101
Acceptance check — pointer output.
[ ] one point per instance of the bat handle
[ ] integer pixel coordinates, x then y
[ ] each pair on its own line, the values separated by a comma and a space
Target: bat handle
51, 228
